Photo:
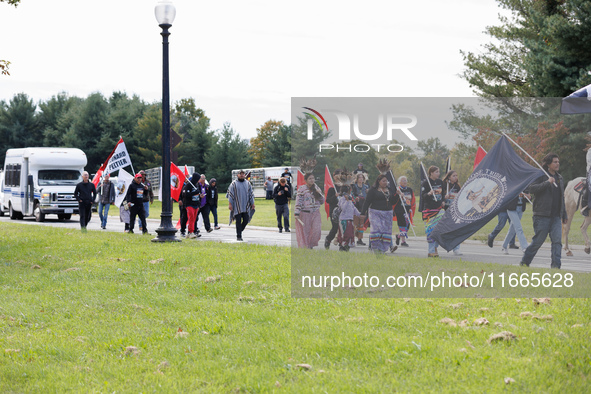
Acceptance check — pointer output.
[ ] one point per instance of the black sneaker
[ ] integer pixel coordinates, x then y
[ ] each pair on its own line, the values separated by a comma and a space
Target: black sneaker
490, 241
393, 248
197, 234
404, 244
513, 246
360, 242
239, 239
397, 239
522, 264
326, 244
287, 230
280, 230
210, 230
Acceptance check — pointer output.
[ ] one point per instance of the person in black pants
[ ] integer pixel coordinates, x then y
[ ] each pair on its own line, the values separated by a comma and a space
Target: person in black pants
212, 201
135, 200
281, 195
332, 198
85, 193
204, 208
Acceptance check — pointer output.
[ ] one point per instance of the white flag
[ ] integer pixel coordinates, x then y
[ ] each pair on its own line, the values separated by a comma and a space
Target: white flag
123, 181
119, 158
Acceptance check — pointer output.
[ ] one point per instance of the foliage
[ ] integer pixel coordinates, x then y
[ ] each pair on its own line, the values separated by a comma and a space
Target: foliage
271, 147
19, 126
228, 152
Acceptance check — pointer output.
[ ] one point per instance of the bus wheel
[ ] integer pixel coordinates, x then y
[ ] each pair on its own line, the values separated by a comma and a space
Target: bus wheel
39, 216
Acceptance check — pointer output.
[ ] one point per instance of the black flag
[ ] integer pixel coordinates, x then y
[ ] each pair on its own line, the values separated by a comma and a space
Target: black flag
578, 102
498, 179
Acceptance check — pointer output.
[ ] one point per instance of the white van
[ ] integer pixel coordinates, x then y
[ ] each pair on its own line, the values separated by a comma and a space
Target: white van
41, 181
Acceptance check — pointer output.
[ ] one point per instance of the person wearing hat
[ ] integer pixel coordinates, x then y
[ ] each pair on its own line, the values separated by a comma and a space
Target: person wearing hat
241, 202
135, 201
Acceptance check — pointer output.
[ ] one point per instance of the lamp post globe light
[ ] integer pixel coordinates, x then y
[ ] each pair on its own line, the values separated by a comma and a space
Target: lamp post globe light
165, 13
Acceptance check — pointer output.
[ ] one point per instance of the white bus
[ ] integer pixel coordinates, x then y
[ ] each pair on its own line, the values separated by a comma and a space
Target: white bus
41, 181
258, 176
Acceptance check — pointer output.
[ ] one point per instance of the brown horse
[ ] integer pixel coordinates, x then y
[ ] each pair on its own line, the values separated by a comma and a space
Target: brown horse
572, 201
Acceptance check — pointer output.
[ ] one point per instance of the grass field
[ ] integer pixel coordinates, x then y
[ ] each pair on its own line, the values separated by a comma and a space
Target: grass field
106, 312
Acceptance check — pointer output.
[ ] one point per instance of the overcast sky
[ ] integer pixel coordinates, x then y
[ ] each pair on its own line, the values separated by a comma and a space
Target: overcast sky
242, 61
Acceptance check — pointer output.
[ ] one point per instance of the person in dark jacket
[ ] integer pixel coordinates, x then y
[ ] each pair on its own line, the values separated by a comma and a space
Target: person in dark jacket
549, 212
106, 194
135, 201
192, 202
332, 199
85, 193
148, 196
212, 201
281, 195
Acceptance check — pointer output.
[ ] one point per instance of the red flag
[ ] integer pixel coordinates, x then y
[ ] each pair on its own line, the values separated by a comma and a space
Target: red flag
480, 153
99, 173
328, 183
177, 179
186, 172
301, 180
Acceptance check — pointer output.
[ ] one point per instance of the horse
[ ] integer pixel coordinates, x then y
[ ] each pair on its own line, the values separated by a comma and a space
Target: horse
572, 201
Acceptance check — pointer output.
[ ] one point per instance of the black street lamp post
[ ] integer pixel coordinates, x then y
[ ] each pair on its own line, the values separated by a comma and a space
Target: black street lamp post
165, 13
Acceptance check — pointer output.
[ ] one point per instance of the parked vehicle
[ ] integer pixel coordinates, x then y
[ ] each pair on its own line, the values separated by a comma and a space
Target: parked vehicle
41, 181
258, 176
2, 209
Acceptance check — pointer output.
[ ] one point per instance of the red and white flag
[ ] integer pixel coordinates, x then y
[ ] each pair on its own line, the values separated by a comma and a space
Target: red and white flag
187, 172
119, 158
177, 179
480, 153
328, 183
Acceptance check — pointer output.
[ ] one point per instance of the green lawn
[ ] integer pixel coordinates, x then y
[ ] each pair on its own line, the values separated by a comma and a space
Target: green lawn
112, 312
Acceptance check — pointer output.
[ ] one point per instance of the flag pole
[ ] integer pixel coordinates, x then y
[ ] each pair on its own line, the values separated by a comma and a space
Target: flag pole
528, 155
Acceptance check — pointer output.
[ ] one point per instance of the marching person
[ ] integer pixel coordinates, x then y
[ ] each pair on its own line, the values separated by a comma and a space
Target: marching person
281, 195
212, 201
192, 203
148, 198
348, 210
515, 211
549, 212
287, 175
378, 205
332, 199
204, 208
85, 193
431, 193
450, 190
106, 194
240, 202
404, 218
135, 202
309, 198
359, 190
361, 170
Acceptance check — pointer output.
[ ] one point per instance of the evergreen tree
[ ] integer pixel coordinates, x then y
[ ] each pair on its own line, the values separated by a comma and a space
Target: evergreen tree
19, 127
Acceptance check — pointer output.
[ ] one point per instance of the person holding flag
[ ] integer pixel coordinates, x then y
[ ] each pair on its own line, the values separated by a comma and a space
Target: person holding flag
404, 214
432, 203
549, 212
450, 189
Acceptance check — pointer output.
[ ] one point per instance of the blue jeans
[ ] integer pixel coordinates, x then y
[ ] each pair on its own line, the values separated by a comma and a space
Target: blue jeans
146, 213
103, 215
515, 228
282, 211
502, 220
542, 227
214, 211
432, 246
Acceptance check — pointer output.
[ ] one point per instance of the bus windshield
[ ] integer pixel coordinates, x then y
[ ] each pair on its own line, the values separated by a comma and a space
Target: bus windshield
59, 177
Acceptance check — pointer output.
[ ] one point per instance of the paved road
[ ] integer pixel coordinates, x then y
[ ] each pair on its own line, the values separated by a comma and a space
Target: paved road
472, 250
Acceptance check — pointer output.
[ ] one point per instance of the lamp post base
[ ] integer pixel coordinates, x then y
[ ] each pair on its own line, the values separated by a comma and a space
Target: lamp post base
166, 232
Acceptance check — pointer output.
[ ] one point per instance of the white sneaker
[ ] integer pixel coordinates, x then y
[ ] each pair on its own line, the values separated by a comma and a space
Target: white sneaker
505, 251
458, 253
191, 236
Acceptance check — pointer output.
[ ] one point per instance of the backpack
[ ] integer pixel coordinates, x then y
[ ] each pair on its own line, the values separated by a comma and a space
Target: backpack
336, 213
